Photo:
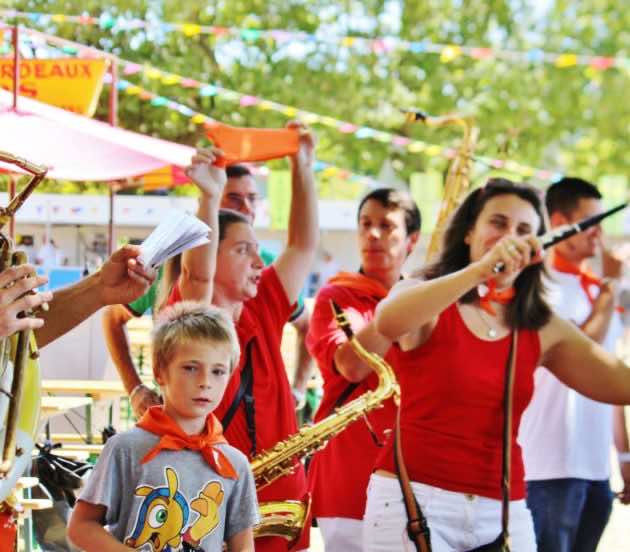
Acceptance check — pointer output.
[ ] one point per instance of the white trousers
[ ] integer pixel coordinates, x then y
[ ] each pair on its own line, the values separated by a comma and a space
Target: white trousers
341, 534
458, 522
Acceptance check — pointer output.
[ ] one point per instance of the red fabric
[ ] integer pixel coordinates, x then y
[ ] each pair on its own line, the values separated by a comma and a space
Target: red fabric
262, 320
252, 144
172, 437
338, 475
8, 528
452, 408
175, 296
503, 297
587, 278
359, 282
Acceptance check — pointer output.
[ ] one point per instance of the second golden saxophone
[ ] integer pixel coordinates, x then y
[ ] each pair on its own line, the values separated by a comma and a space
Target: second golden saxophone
457, 181
284, 456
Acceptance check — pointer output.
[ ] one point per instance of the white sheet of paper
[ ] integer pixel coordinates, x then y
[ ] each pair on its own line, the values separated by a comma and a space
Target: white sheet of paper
177, 232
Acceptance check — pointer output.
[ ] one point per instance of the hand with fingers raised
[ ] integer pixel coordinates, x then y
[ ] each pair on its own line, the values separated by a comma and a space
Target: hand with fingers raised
17, 297
204, 172
305, 155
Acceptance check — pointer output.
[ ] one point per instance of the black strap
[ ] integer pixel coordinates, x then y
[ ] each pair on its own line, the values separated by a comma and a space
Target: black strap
417, 526
245, 393
508, 400
344, 396
502, 542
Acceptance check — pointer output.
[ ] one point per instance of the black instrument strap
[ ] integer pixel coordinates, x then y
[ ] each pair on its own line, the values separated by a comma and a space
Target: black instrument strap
245, 393
343, 397
417, 526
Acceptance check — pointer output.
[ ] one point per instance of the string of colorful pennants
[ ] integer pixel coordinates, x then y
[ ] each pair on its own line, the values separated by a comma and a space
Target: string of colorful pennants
130, 68
383, 45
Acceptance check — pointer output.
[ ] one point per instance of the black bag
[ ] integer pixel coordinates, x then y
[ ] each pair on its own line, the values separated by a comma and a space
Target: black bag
58, 478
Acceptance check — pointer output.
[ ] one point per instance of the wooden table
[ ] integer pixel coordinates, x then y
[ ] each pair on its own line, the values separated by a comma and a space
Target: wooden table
52, 406
98, 390
94, 389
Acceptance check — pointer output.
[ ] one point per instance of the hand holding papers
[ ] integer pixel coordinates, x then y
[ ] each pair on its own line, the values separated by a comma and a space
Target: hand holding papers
178, 232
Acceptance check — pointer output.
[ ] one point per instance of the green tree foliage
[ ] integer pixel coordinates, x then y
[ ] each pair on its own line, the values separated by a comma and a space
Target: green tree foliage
571, 120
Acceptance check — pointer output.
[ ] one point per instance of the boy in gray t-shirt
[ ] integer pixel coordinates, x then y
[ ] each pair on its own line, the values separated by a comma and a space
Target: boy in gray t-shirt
173, 483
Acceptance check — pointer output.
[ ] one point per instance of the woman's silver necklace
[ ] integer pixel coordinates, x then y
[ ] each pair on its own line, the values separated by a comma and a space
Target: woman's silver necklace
490, 331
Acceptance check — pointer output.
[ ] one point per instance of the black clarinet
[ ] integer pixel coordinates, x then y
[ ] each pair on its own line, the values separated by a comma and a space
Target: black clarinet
567, 230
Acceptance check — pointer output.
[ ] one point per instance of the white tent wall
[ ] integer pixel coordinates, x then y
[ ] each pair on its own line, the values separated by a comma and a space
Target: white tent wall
72, 216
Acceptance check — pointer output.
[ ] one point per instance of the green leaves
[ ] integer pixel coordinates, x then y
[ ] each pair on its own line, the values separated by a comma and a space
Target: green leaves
570, 120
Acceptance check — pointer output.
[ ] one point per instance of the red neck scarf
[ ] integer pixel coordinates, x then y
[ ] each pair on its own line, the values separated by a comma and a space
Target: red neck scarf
587, 278
172, 437
503, 297
360, 282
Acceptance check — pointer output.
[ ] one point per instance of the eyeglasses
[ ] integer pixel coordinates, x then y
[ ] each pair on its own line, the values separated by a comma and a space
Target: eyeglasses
238, 201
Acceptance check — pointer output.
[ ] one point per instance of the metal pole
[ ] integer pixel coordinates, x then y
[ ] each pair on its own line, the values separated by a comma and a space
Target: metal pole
113, 120
16, 66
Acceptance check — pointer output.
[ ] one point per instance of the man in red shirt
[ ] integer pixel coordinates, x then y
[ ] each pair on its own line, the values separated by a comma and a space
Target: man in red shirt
389, 227
239, 193
258, 410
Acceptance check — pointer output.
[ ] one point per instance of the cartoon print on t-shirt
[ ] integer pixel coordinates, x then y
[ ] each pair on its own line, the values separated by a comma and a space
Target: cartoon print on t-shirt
207, 505
162, 516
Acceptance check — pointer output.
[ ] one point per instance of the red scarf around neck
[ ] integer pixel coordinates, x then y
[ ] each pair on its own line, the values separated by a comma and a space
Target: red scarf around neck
172, 437
360, 282
503, 297
587, 278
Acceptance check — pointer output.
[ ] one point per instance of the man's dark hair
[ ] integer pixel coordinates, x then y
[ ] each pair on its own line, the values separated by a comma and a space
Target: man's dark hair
564, 195
237, 171
391, 198
227, 217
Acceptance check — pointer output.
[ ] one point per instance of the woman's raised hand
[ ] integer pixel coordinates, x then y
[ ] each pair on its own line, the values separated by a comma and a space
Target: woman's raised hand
512, 253
204, 172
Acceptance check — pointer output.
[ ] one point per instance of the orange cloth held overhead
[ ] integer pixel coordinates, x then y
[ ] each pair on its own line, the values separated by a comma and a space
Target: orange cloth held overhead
172, 437
503, 297
359, 282
253, 144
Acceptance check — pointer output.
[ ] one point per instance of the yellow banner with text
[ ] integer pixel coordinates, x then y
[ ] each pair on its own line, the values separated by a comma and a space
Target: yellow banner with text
70, 83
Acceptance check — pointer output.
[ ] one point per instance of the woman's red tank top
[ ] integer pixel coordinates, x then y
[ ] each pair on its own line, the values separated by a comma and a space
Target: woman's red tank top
452, 408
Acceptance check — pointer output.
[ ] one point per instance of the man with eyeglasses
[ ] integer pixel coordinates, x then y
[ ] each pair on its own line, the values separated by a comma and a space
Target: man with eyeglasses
240, 194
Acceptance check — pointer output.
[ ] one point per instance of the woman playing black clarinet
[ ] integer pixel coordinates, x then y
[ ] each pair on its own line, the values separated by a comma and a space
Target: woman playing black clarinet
454, 326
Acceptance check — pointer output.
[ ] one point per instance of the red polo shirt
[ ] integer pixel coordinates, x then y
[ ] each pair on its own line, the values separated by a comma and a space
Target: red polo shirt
338, 475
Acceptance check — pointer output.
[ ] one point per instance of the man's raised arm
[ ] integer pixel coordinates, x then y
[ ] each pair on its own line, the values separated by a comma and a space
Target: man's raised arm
294, 264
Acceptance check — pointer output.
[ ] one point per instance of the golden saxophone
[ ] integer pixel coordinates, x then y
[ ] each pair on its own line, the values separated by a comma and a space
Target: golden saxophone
286, 519
457, 181
19, 371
